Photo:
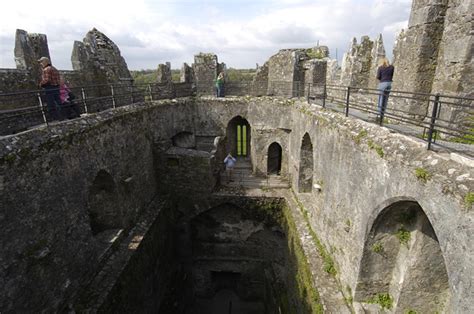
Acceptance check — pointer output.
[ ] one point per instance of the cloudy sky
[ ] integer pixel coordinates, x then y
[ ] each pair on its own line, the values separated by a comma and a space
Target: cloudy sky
241, 32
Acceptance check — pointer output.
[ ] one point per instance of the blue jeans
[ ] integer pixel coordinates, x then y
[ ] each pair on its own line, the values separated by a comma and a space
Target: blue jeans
220, 90
54, 101
384, 89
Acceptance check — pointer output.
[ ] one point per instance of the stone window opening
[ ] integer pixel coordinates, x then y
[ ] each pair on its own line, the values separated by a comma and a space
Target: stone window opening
402, 260
305, 178
102, 204
274, 157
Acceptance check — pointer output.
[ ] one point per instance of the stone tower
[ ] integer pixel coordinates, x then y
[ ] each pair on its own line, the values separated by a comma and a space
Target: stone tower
205, 68
416, 52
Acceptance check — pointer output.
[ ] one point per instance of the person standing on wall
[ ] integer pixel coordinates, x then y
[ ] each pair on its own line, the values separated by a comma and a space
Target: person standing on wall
50, 83
220, 85
385, 77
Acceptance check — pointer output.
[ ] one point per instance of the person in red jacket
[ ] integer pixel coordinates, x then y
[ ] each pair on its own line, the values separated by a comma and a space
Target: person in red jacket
50, 83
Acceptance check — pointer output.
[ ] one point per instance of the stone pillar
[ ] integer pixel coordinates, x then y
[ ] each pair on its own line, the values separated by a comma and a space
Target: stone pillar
315, 75
186, 74
416, 53
333, 72
260, 81
205, 68
378, 52
284, 73
28, 49
164, 73
454, 73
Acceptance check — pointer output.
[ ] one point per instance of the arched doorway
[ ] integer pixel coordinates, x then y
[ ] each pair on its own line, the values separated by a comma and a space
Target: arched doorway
305, 182
238, 137
274, 158
403, 261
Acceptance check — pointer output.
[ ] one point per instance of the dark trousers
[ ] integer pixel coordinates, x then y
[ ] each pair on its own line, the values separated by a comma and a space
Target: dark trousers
53, 101
220, 90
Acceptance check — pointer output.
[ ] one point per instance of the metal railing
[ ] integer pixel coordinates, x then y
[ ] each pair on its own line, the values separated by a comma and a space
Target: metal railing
437, 118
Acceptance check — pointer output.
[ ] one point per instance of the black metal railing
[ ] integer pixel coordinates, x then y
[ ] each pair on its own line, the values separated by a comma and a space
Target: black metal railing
436, 118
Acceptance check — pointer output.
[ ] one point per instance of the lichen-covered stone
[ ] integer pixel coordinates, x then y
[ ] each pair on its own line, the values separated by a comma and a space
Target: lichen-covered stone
356, 63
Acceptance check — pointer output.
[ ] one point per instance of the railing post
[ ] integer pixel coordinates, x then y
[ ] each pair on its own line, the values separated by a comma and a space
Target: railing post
348, 96
309, 92
433, 120
40, 101
113, 96
324, 95
83, 92
149, 91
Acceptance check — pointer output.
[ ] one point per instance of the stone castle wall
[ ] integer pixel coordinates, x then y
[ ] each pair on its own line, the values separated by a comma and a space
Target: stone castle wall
57, 240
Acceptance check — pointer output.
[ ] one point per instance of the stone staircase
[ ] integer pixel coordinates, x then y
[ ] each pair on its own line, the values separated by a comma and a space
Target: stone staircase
242, 177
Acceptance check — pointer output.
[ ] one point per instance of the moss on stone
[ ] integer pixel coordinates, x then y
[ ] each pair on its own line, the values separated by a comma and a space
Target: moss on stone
304, 278
382, 299
329, 265
403, 236
422, 174
377, 247
360, 136
469, 199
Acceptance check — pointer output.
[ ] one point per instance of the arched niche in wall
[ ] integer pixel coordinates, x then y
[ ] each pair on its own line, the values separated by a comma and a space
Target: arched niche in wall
184, 140
305, 178
274, 158
402, 258
238, 137
103, 204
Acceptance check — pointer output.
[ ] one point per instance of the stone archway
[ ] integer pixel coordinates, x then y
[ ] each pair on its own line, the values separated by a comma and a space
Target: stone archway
238, 137
305, 180
402, 258
274, 158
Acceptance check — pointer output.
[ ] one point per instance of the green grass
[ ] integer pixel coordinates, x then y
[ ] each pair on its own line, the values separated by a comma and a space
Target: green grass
469, 199
377, 247
360, 136
422, 174
403, 235
382, 299
378, 149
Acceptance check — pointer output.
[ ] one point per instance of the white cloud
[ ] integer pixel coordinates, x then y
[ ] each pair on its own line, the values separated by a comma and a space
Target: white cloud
149, 33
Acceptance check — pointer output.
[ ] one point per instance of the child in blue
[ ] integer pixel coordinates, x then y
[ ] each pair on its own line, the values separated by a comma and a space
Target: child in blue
229, 162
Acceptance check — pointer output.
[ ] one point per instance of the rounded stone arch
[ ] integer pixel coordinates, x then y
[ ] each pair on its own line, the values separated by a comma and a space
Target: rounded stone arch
238, 137
402, 257
274, 158
305, 177
103, 203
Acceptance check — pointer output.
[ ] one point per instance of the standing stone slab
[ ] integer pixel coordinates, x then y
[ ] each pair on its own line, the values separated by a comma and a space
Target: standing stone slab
97, 53
356, 63
285, 72
186, 74
164, 73
28, 49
